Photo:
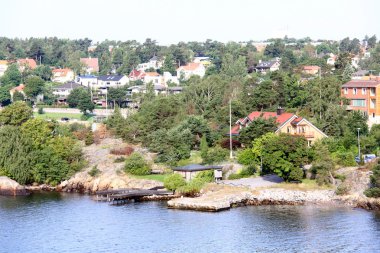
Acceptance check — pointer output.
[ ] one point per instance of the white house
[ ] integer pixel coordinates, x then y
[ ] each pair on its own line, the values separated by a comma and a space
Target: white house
331, 60
267, 66
153, 77
65, 89
168, 77
3, 67
112, 81
153, 63
62, 75
87, 81
191, 69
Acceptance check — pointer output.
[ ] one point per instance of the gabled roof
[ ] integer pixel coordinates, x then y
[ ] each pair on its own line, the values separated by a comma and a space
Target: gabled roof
61, 72
114, 78
67, 86
266, 64
135, 73
190, 66
153, 74
361, 84
27, 62
91, 63
19, 88
87, 76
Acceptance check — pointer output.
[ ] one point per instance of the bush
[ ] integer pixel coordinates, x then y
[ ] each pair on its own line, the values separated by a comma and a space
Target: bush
296, 174
342, 189
193, 187
206, 176
174, 181
89, 138
340, 177
372, 192
245, 156
135, 164
248, 171
122, 151
94, 171
215, 155
75, 127
235, 176
41, 110
85, 116
119, 159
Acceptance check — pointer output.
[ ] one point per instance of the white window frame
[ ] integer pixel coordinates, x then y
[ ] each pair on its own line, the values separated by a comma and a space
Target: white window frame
355, 91
364, 91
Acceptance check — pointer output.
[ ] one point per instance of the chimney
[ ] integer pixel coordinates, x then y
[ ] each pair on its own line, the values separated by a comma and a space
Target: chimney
280, 111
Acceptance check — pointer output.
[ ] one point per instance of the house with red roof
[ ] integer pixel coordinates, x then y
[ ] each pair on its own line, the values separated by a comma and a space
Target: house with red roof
62, 75
287, 123
191, 69
91, 64
136, 75
19, 88
26, 63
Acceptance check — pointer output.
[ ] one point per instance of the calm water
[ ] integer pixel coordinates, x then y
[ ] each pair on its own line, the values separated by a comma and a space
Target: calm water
74, 223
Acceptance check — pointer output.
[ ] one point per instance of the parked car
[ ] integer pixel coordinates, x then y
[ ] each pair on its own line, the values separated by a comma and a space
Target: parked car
65, 119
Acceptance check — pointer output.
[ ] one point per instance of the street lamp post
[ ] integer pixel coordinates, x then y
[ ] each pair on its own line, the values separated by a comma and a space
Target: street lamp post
359, 142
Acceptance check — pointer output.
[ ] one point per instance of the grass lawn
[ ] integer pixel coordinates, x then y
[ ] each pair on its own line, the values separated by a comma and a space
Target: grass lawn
156, 177
306, 185
58, 116
195, 157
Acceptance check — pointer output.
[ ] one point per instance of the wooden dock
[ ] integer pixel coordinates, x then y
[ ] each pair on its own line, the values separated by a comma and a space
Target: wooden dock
122, 196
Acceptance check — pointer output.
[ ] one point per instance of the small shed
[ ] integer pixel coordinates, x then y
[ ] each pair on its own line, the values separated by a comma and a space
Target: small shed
189, 172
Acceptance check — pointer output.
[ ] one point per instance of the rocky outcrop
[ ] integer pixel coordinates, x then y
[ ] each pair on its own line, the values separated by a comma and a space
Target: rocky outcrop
110, 174
217, 201
11, 187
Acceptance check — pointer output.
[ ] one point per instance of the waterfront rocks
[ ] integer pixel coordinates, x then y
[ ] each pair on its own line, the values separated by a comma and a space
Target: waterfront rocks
11, 187
110, 176
225, 199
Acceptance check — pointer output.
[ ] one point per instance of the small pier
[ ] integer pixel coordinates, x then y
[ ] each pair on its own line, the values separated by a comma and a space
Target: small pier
123, 196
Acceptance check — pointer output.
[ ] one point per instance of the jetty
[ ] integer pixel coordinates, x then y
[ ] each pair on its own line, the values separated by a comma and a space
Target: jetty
122, 196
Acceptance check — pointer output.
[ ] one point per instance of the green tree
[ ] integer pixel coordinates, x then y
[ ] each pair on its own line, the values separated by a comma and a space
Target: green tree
34, 86
275, 49
5, 97
18, 96
43, 71
256, 129
81, 99
169, 65
15, 114
12, 76
117, 95
135, 164
372, 41
39, 130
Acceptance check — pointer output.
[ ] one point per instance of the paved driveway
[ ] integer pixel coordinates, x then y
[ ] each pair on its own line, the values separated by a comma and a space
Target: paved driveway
255, 182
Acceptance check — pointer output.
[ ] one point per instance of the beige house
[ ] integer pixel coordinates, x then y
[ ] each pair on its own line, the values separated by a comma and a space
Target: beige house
191, 69
287, 123
62, 75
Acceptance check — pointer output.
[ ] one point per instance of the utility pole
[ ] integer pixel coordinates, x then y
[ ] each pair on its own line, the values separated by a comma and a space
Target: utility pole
359, 142
230, 132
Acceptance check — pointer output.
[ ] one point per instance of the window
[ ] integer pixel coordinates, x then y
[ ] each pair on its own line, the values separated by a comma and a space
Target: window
358, 102
373, 115
364, 91
345, 91
355, 91
288, 129
372, 91
372, 103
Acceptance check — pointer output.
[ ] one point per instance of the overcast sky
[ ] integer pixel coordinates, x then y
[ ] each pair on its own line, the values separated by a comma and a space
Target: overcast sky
171, 21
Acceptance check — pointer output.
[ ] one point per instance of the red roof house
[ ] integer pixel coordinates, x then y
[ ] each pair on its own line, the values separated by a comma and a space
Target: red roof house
26, 63
92, 64
287, 123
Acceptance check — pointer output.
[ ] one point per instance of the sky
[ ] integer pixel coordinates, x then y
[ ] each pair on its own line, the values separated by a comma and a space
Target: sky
172, 21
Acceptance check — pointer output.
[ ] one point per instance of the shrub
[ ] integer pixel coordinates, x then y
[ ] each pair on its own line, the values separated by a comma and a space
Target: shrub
215, 155
296, 174
174, 181
342, 189
340, 177
41, 110
206, 175
85, 117
245, 156
225, 143
74, 127
372, 192
122, 151
119, 159
248, 171
94, 171
192, 188
235, 176
89, 139
135, 164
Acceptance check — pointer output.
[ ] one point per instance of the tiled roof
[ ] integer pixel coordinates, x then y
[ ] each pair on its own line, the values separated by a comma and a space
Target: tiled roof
135, 73
91, 63
3, 62
361, 84
27, 62
190, 67
151, 74
18, 88
61, 72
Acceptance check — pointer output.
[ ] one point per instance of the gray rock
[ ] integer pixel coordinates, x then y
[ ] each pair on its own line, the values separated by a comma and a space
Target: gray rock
11, 187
